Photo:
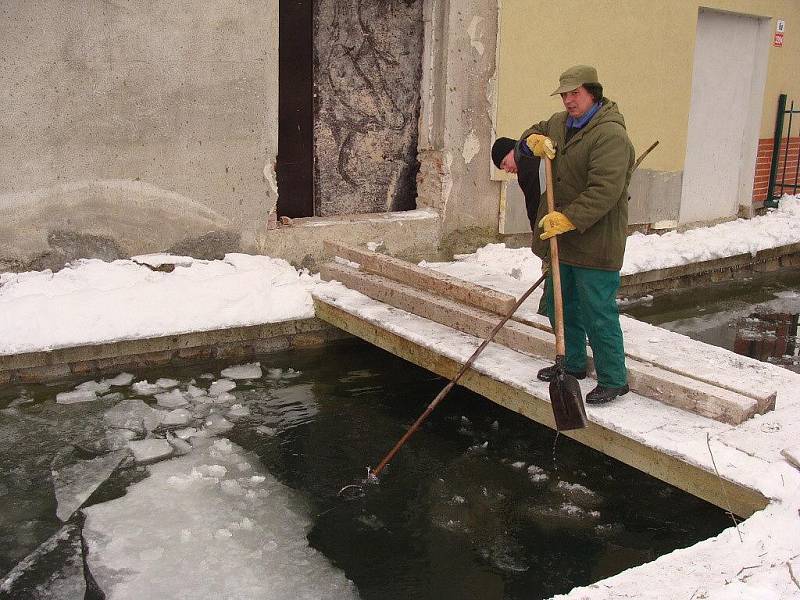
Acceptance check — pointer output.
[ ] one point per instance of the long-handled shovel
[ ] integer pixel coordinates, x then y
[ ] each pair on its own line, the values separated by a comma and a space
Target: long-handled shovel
565, 393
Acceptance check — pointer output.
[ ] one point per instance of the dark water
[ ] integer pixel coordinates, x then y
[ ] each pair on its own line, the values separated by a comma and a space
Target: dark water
755, 317
477, 505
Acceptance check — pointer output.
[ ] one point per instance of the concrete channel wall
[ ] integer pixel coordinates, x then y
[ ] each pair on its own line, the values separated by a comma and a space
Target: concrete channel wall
710, 271
239, 343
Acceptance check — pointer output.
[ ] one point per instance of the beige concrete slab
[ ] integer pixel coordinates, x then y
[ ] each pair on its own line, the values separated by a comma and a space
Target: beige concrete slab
649, 380
410, 274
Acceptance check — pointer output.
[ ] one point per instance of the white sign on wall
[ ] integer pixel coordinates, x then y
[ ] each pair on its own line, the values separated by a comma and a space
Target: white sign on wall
777, 41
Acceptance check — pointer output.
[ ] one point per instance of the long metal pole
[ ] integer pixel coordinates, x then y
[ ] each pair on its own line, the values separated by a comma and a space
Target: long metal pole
434, 403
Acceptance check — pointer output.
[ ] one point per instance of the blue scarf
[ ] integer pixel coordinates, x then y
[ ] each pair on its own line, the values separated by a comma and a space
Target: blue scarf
578, 123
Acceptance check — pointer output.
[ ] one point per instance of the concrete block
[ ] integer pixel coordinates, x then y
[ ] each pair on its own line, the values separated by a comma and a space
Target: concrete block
43, 374
195, 354
308, 340
769, 266
274, 344
154, 359
231, 351
83, 367
791, 260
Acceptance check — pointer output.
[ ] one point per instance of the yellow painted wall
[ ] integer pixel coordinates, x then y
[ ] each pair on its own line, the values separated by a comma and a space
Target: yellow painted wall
643, 51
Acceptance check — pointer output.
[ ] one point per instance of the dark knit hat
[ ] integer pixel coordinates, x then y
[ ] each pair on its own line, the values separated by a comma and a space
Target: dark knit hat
500, 148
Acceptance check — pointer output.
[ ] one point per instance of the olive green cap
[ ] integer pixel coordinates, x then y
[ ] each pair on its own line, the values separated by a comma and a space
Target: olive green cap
574, 77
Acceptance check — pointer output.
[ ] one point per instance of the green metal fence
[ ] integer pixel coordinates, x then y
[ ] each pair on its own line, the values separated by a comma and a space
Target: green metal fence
785, 163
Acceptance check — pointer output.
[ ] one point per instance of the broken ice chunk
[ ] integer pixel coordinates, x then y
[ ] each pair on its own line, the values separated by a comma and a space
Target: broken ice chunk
185, 433
246, 371
143, 388
179, 416
237, 410
220, 386
99, 387
121, 379
171, 399
76, 396
223, 398
165, 383
150, 451
74, 483
283, 374
134, 415
216, 424
195, 392
181, 446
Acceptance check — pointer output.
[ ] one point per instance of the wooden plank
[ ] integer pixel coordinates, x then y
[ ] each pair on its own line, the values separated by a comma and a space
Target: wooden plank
764, 398
448, 312
645, 379
690, 477
428, 279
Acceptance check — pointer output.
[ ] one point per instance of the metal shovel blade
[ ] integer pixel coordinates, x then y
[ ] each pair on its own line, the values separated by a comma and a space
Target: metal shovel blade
567, 401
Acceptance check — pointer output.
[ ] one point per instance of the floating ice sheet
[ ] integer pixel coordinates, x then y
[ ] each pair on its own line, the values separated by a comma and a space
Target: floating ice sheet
246, 371
199, 527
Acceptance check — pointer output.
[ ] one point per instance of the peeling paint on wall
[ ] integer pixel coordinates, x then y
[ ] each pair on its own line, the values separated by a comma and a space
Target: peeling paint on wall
472, 146
474, 35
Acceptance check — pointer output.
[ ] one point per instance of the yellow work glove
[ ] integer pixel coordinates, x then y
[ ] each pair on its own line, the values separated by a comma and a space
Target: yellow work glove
554, 223
541, 146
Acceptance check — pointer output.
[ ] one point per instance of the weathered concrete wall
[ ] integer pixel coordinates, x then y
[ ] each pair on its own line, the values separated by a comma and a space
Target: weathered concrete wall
367, 68
456, 124
134, 127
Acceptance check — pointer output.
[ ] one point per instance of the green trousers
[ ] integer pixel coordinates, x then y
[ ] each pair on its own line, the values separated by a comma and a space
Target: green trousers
590, 311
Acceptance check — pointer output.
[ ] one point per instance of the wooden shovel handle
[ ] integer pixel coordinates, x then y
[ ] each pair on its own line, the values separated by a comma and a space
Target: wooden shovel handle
554, 269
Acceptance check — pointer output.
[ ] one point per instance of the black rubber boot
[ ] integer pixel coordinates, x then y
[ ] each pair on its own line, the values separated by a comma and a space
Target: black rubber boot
602, 394
549, 373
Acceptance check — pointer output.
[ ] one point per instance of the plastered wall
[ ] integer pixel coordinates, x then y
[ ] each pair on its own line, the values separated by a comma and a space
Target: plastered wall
643, 52
134, 127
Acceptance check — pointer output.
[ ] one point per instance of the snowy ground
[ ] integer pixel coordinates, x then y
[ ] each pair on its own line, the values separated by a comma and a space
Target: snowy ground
92, 301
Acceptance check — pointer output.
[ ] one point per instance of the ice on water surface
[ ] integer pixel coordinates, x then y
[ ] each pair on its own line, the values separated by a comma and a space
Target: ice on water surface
204, 526
220, 386
74, 483
76, 396
246, 371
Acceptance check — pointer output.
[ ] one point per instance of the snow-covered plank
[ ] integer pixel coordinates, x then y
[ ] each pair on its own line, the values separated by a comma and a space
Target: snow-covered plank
622, 430
649, 380
668, 350
422, 278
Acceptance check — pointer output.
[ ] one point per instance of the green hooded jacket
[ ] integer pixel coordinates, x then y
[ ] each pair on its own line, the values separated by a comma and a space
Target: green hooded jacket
591, 174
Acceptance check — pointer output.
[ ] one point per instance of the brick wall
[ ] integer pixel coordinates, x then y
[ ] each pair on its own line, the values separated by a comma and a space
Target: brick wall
763, 163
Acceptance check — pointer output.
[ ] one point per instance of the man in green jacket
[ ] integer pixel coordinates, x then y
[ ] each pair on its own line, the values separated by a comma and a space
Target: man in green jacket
592, 164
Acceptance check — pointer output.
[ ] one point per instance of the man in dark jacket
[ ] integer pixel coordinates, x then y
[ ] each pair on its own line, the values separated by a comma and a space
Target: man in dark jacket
592, 164
507, 156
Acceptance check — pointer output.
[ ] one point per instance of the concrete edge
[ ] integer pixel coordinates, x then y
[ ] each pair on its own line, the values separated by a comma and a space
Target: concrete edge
178, 349
710, 271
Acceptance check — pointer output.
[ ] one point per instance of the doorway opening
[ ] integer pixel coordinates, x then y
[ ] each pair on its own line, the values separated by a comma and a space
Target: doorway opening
295, 164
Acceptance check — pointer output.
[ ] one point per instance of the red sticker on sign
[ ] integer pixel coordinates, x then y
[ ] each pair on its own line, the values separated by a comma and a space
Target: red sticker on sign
778, 41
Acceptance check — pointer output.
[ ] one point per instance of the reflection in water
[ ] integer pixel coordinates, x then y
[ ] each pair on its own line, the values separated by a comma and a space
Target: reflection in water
768, 337
757, 317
